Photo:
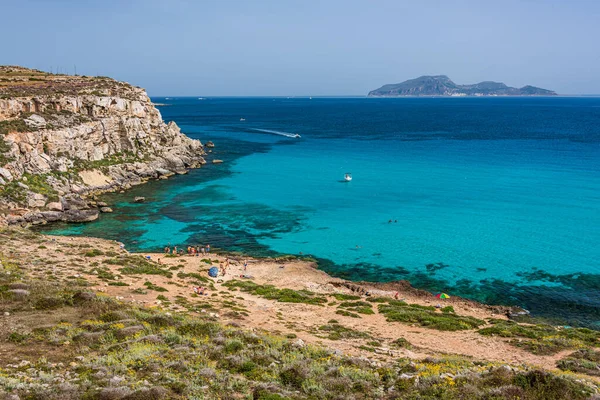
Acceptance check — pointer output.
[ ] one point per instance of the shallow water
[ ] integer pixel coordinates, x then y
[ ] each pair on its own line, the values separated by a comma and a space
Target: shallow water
495, 199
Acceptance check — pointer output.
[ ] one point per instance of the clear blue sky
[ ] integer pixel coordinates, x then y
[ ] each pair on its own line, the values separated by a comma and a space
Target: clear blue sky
306, 47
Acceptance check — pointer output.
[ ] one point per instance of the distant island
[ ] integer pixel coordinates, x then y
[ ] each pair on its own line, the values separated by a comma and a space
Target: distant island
441, 85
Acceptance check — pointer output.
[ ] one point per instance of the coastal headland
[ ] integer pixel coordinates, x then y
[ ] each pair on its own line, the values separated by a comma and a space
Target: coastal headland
65, 139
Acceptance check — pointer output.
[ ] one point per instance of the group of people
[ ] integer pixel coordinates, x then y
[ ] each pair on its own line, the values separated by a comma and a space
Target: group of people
191, 250
199, 290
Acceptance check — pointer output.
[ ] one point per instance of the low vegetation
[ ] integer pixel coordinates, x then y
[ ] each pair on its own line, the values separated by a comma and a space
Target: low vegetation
336, 331
105, 349
137, 265
397, 310
272, 293
584, 361
360, 307
543, 339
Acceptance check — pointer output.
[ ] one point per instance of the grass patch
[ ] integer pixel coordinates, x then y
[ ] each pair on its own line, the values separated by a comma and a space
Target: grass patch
93, 253
194, 275
272, 293
156, 288
543, 339
347, 314
136, 265
396, 310
360, 307
344, 297
584, 361
337, 332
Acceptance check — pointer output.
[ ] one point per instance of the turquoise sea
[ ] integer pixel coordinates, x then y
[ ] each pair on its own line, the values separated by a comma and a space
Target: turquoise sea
496, 199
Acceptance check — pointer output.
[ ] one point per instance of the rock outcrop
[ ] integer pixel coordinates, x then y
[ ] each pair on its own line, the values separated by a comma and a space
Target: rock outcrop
64, 139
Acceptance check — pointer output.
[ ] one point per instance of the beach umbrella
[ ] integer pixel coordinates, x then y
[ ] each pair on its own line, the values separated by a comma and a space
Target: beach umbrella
442, 296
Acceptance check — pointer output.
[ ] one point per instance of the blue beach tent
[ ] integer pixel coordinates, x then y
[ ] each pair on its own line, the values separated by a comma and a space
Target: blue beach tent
214, 272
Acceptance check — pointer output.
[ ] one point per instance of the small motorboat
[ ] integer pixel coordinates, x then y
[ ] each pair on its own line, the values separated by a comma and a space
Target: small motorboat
347, 176
242, 119
296, 136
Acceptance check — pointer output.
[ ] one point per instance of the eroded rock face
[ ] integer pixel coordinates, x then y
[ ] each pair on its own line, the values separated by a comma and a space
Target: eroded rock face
90, 135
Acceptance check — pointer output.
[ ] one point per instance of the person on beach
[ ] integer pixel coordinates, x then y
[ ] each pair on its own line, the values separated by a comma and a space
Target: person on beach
396, 295
208, 248
203, 251
175, 250
245, 265
167, 250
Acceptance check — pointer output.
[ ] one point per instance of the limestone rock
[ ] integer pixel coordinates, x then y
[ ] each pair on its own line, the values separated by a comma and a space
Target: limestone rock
217, 161
35, 121
6, 174
36, 200
106, 209
80, 215
54, 206
139, 199
87, 122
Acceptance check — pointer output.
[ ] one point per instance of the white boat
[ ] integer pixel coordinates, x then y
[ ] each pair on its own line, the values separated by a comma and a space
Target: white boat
347, 176
242, 119
296, 136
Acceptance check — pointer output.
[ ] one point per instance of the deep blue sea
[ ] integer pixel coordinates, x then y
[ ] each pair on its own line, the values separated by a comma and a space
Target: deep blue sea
495, 199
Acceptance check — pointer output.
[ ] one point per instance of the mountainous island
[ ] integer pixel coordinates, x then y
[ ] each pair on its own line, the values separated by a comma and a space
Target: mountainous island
441, 85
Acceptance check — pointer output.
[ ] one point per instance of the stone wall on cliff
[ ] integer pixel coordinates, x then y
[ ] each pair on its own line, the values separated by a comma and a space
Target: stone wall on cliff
63, 139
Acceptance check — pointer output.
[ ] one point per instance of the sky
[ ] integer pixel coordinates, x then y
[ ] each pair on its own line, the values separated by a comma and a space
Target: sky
306, 47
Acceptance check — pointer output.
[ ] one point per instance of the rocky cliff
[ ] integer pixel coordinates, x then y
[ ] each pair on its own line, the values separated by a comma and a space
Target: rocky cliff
64, 139
441, 85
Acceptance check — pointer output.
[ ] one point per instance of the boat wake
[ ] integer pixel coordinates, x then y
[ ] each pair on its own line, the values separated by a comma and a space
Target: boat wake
286, 134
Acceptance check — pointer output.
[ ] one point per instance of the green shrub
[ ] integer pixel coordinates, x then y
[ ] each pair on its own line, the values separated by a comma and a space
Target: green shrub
337, 332
585, 361
18, 338
447, 310
94, 253
544, 339
343, 296
427, 317
152, 286
272, 293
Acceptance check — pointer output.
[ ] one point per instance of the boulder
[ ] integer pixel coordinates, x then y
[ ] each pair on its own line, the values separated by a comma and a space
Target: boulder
217, 161
36, 200
19, 293
54, 206
210, 144
35, 121
139, 199
81, 297
106, 209
6, 174
102, 204
52, 216
80, 215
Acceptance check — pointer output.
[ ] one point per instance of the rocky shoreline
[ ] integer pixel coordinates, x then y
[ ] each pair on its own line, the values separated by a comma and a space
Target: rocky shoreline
66, 139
